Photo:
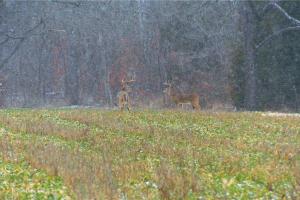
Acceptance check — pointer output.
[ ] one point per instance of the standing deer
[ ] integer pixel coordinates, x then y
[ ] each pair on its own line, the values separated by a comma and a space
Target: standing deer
123, 95
178, 98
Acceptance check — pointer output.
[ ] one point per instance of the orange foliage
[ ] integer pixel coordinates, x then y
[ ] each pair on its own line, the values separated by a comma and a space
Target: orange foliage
127, 60
59, 62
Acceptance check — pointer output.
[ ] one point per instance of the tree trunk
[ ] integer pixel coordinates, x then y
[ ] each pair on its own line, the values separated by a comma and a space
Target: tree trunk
249, 30
103, 64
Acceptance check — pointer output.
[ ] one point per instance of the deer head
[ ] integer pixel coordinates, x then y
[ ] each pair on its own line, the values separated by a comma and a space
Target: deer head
124, 84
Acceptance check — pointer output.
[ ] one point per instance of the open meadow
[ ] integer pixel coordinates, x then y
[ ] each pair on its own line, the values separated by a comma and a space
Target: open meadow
108, 154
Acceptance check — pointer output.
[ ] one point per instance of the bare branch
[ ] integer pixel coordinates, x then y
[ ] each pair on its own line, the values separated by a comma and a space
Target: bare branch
275, 34
14, 37
57, 30
275, 5
22, 39
73, 3
11, 54
8, 37
295, 21
4, 41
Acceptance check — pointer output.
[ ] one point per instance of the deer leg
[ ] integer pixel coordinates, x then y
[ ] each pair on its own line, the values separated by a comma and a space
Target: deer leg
120, 102
128, 104
196, 107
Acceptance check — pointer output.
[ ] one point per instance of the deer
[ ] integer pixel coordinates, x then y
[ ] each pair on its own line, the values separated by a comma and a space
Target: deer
123, 95
179, 98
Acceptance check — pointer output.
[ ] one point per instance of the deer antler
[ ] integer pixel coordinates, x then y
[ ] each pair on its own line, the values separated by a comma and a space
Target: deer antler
167, 84
125, 81
130, 81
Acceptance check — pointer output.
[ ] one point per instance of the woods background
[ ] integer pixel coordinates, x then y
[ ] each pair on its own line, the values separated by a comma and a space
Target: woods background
243, 54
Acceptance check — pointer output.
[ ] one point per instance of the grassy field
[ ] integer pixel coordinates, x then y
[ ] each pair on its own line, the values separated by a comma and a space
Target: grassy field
100, 154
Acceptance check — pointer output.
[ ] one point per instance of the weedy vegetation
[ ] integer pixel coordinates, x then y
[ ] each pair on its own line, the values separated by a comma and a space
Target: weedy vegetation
21, 181
102, 154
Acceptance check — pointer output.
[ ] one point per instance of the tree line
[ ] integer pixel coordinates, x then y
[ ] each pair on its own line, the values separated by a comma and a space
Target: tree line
239, 53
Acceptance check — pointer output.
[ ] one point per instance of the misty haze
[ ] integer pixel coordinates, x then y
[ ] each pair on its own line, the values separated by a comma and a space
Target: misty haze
149, 99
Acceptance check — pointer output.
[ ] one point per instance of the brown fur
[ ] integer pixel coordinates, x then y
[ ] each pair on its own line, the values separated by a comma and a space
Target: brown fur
124, 100
179, 98
123, 96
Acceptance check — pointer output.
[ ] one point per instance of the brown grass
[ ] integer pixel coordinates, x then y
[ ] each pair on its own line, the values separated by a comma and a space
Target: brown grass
158, 155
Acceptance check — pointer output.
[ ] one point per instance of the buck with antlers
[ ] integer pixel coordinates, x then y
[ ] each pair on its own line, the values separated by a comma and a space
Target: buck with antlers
179, 98
123, 95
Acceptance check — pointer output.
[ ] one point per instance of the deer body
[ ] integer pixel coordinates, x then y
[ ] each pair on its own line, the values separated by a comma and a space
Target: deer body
124, 100
123, 95
178, 98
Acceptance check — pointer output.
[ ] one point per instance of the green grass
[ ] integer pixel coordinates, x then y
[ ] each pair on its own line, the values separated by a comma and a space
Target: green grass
147, 154
20, 181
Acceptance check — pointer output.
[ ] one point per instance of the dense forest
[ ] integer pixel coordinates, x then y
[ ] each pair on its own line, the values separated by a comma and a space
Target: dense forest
235, 54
